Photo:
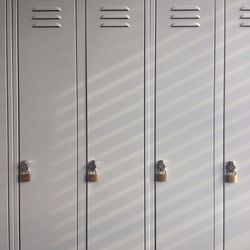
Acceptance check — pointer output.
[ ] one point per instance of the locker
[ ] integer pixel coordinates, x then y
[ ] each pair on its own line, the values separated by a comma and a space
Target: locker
118, 122
115, 121
48, 124
237, 120
184, 124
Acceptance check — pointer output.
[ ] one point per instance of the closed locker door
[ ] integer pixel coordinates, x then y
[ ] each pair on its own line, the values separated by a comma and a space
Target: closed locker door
184, 124
237, 124
115, 107
48, 125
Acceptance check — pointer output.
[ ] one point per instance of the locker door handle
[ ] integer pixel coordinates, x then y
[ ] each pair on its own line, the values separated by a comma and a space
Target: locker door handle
231, 174
91, 175
161, 171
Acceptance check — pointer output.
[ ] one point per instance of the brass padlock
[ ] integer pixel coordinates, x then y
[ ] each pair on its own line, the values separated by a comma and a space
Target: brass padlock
24, 171
161, 176
91, 175
231, 178
231, 175
24, 177
161, 171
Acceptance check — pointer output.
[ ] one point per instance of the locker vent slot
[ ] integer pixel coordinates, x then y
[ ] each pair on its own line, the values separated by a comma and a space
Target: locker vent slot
244, 25
43, 17
245, 9
115, 9
115, 17
188, 8
175, 25
54, 9
245, 17
184, 15
57, 25
47, 17
126, 25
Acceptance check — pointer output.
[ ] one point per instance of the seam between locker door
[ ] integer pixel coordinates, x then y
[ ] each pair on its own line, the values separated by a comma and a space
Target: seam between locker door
214, 79
149, 124
19, 121
86, 112
144, 134
18, 106
77, 128
155, 87
148, 100
12, 39
224, 117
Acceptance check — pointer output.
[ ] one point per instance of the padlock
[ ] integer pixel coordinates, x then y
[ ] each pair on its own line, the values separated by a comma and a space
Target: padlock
231, 177
161, 176
24, 171
92, 176
161, 171
24, 177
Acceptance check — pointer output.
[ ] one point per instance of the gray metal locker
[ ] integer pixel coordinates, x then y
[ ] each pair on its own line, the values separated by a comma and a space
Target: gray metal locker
121, 91
115, 114
184, 124
237, 123
48, 124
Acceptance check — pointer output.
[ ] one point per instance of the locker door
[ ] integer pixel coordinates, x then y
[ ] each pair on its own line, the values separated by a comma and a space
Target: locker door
115, 101
48, 125
184, 124
237, 124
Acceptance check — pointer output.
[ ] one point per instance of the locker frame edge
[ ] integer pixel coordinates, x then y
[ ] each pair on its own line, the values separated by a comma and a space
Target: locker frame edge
149, 119
218, 124
13, 134
81, 124
4, 230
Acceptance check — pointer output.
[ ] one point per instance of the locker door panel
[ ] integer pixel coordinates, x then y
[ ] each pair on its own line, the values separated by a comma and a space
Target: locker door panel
237, 120
184, 124
115, 87
48, 125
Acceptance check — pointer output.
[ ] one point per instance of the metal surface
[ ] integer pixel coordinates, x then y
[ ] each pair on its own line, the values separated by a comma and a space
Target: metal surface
237, 129
115, 101
48, 128
4, 227
184, 127
149, 124
115, 108
81, 111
